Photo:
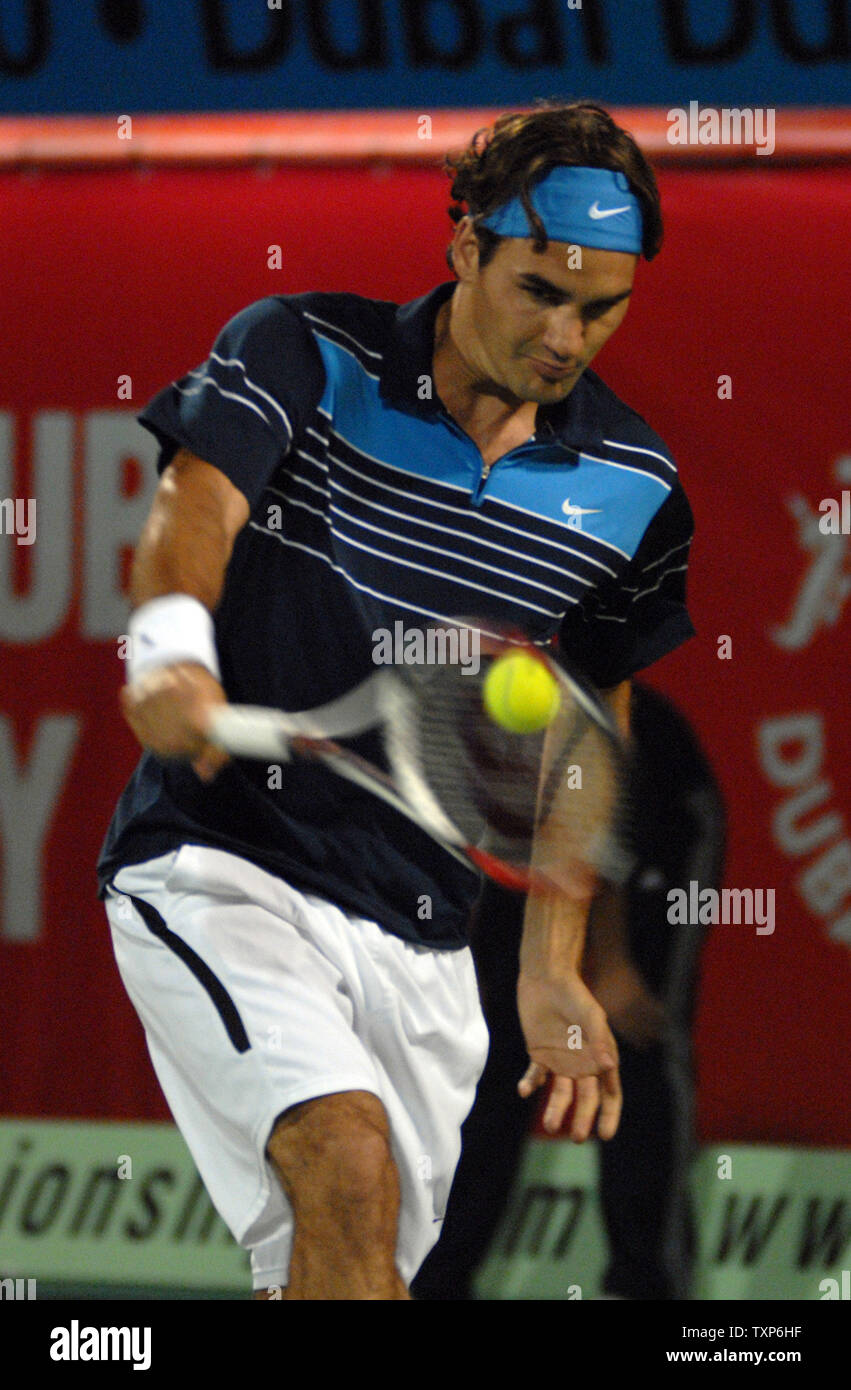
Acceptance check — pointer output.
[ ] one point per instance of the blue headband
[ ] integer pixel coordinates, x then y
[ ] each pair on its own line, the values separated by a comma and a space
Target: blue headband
587, 207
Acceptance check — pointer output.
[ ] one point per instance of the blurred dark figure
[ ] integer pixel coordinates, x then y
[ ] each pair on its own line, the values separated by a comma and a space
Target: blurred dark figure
643, 970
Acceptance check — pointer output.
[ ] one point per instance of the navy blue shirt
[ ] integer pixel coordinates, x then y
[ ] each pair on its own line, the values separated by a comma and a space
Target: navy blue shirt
370, 505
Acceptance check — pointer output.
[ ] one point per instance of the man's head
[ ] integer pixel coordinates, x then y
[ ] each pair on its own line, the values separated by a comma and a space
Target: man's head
533, 309
519, 150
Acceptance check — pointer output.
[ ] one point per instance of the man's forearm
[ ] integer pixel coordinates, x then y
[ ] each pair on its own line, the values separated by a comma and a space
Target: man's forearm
187, 540
553, 936
554, 927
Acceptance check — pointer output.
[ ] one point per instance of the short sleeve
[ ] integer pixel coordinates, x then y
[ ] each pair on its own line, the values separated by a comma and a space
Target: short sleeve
619, 630
241, 409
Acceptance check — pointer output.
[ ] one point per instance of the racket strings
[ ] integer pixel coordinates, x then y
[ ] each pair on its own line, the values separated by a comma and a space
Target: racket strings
488, 781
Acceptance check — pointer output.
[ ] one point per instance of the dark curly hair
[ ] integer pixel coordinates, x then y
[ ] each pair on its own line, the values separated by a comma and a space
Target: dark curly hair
507, 159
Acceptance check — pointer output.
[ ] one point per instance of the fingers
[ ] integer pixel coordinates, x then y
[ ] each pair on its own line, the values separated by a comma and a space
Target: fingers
560, 1101
583, 1095
169, 711
605, 1048
592, 1098
611, 1103
534, 1076
585, 1109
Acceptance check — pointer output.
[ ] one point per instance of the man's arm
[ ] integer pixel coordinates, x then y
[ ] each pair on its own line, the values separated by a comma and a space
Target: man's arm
185, 548
565, 1028
186, 542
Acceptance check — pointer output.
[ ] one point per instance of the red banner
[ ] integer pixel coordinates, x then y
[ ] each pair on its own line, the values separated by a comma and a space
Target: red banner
113, 282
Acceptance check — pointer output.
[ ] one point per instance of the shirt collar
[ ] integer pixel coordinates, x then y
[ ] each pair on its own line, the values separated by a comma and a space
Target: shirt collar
572, 424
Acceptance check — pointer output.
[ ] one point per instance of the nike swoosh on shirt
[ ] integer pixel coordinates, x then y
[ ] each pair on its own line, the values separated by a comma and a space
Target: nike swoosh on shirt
570, 509
597, 212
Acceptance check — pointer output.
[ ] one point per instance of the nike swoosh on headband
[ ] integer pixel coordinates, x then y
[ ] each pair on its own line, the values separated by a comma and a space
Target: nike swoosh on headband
597, 212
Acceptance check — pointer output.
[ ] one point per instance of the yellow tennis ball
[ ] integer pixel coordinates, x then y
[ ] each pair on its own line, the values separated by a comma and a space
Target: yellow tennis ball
519, 693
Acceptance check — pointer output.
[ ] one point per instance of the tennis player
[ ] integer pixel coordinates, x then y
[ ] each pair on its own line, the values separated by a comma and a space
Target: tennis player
295, 948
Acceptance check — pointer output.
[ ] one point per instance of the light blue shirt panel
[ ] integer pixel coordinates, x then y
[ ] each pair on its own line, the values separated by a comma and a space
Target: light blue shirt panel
403, 441
610, 502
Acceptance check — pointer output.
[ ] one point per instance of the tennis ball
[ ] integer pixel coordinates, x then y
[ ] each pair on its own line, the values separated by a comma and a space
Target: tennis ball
519, 693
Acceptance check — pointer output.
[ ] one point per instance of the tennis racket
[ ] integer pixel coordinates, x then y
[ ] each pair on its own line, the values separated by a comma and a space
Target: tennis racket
533, 811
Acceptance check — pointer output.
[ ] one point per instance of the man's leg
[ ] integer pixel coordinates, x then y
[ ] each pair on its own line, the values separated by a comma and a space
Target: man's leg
291, 1040
334, 1161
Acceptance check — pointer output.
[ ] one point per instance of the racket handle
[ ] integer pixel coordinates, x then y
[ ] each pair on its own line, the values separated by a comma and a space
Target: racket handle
248, 731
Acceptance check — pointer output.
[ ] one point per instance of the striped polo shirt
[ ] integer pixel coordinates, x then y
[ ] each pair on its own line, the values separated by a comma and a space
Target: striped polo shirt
371, 507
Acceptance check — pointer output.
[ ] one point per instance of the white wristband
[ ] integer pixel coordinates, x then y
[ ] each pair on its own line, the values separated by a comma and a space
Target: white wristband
166, 630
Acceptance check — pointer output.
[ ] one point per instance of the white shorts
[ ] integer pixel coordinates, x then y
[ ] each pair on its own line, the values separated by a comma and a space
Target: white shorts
254, 997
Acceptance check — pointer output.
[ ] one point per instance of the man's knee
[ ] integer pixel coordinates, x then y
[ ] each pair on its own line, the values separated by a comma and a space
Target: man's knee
335, 1151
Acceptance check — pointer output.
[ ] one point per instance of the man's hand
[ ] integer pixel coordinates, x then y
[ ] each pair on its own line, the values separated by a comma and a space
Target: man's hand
569, 1039
169, 712
634, 1013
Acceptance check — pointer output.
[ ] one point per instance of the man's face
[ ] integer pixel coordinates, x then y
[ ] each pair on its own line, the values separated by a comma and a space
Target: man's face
533, 321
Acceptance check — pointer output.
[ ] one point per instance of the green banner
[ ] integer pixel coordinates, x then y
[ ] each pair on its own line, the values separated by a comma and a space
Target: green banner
111, 1204
773, 1223
122, 1206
